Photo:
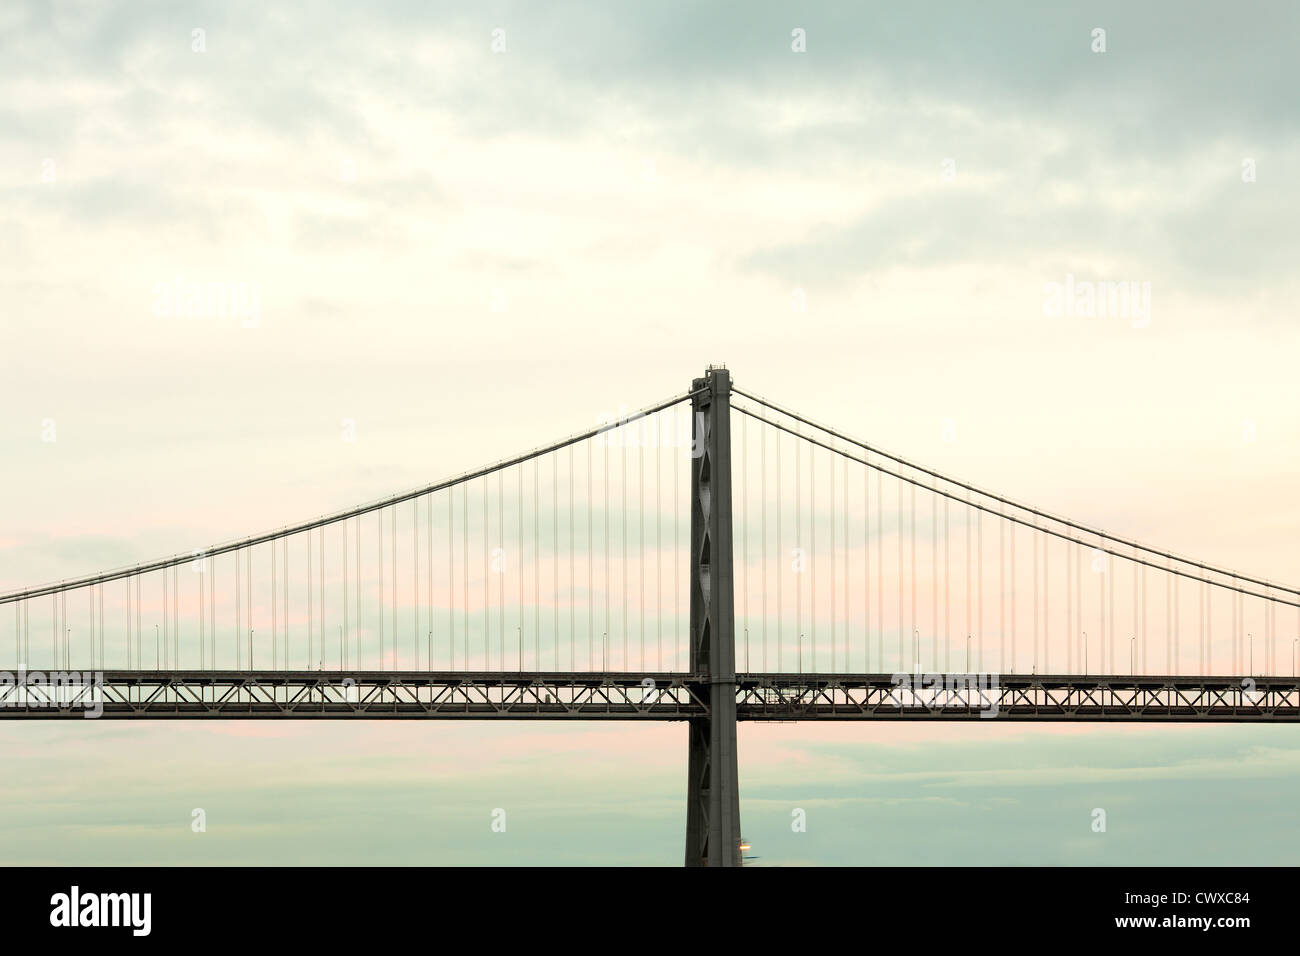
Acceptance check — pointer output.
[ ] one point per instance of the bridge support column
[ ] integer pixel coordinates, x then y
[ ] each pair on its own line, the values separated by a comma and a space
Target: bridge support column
712, 790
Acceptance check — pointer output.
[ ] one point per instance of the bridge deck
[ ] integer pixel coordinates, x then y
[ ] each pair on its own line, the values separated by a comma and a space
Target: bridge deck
586, 695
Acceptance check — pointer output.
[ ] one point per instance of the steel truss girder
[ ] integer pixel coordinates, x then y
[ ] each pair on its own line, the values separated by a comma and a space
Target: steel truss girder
155, 695
779, 697
585, 695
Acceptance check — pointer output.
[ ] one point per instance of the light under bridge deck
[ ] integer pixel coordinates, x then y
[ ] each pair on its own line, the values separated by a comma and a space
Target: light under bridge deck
586, 695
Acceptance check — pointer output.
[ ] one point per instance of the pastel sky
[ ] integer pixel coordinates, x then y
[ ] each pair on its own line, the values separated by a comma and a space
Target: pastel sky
471, 242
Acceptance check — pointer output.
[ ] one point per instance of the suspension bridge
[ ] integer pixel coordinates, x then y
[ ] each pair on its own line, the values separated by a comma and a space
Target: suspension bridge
714, 557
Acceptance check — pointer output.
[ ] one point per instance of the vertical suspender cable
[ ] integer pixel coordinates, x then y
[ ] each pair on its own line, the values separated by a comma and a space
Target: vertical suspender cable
1033, 541
866, 571
573, 606
934, 578
357, 546
640, 541
902, 659
880, 571
844, 536
519, 493
659, 546
415, 579
451, 579
590, 562
248, 573
396, 655
379, 551
1101, 602
979, 591
605, 501
1143, 641
428, 638
623, 539
464, 572
798, 538
501, 554
1136, 606
1236, 656
1200, 627
555, 555
812, 581
1209, 627
284, 567
911, 583
677, 535
1047, 616
1071, 558
834, 570
911, 488
1002, 595
1111, 568
780, 555
744, 532
239, 654
537, 573
311, 619
275, 618
1101, 557
1169, 609
762, 454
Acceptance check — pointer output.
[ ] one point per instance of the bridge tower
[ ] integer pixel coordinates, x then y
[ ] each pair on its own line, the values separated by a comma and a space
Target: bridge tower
712, 789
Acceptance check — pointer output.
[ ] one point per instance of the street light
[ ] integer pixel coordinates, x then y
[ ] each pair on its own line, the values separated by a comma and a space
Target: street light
1132, 655
1085, 653
156, 645
1251, 638
916, 651
967, 653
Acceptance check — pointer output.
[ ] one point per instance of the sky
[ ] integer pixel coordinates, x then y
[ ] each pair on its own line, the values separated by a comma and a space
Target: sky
472, 228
